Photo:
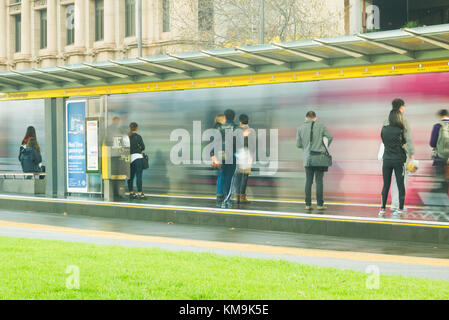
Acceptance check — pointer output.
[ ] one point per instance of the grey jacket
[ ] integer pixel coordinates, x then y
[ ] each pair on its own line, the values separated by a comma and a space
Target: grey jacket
409, 147
303, 138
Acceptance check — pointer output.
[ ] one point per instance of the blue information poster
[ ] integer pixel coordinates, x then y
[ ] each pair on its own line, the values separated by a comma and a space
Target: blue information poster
76, 149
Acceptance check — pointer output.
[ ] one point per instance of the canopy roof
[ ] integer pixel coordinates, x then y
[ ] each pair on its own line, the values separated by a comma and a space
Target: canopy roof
402, 45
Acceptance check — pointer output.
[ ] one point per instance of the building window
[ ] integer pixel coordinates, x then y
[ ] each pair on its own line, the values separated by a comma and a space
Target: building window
205, 15
165, 15
43, 29
70, 24
130, 18
99, 20
18, 30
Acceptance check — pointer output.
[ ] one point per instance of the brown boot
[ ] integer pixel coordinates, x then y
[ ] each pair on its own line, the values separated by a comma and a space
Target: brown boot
237, 198
243, 198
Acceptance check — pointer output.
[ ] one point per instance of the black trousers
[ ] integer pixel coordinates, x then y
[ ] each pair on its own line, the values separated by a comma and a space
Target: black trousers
319, 174
399, 171
136, 171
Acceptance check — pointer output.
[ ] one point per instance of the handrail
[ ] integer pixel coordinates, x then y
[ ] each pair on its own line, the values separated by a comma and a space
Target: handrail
14, 174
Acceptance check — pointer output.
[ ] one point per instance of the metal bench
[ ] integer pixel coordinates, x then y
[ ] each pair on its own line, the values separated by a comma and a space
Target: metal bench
22, 182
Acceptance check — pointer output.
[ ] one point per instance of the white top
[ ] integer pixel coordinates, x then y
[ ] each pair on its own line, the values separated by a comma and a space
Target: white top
135, 156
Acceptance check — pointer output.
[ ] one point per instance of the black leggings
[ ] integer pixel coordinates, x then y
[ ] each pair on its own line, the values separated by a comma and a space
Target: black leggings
399, 171
136, 171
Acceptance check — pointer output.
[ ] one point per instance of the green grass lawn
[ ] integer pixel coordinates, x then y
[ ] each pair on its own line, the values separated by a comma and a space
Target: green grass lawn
36, 269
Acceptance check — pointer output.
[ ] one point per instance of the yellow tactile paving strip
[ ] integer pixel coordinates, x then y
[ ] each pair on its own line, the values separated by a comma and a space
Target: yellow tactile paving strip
357, 256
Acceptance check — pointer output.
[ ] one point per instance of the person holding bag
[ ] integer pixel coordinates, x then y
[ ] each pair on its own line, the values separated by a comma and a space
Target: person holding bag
394, 158
311, 137
137, 161
399, 105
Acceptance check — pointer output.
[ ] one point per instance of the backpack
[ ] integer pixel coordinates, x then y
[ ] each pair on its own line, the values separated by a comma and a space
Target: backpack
26, 159
442, 148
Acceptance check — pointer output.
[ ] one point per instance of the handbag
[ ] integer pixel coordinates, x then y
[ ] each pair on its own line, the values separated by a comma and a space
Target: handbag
319, 159
145, 162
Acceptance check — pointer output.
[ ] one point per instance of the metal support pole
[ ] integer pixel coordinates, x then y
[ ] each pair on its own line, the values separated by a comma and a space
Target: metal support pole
262, 21
139, 27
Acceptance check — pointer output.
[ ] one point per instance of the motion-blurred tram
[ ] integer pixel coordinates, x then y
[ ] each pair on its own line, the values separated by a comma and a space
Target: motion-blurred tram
352, 109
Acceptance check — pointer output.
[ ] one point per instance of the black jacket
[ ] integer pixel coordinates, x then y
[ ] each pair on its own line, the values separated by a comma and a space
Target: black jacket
136, 143
394, 140
30, 158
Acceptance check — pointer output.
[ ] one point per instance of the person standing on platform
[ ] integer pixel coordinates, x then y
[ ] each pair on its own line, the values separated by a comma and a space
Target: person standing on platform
399, 104
311, 137
245, 157
220, 119
136, 148
394, 158
228, 160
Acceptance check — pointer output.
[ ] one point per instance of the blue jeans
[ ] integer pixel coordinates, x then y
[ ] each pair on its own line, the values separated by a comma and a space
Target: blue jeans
136, 171
227, 180
219, 182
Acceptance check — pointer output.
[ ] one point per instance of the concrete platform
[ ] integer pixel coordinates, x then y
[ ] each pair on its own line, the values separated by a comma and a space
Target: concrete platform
270, 217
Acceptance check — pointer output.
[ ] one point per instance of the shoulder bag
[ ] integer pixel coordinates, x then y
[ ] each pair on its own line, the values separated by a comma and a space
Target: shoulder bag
319, 159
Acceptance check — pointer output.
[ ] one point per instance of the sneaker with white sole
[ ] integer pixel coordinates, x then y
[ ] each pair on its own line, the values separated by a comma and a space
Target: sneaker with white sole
382, 212
396, 209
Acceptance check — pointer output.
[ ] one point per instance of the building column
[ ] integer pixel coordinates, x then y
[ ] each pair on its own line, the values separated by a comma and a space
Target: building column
109, 23
49, 57
22, 59
26, 28
80, 22
106, 48
52, 27
3, 44
77, 51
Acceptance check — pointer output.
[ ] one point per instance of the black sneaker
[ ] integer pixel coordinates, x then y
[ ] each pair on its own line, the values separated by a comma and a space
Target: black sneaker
140, 196
132, 195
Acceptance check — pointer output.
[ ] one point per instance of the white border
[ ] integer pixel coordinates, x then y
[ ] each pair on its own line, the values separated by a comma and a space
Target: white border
75, 190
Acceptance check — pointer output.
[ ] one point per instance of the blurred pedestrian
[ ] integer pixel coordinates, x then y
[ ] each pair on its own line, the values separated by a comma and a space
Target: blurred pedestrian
439, 141
245, 157
220, 119
227, 156
311, 137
